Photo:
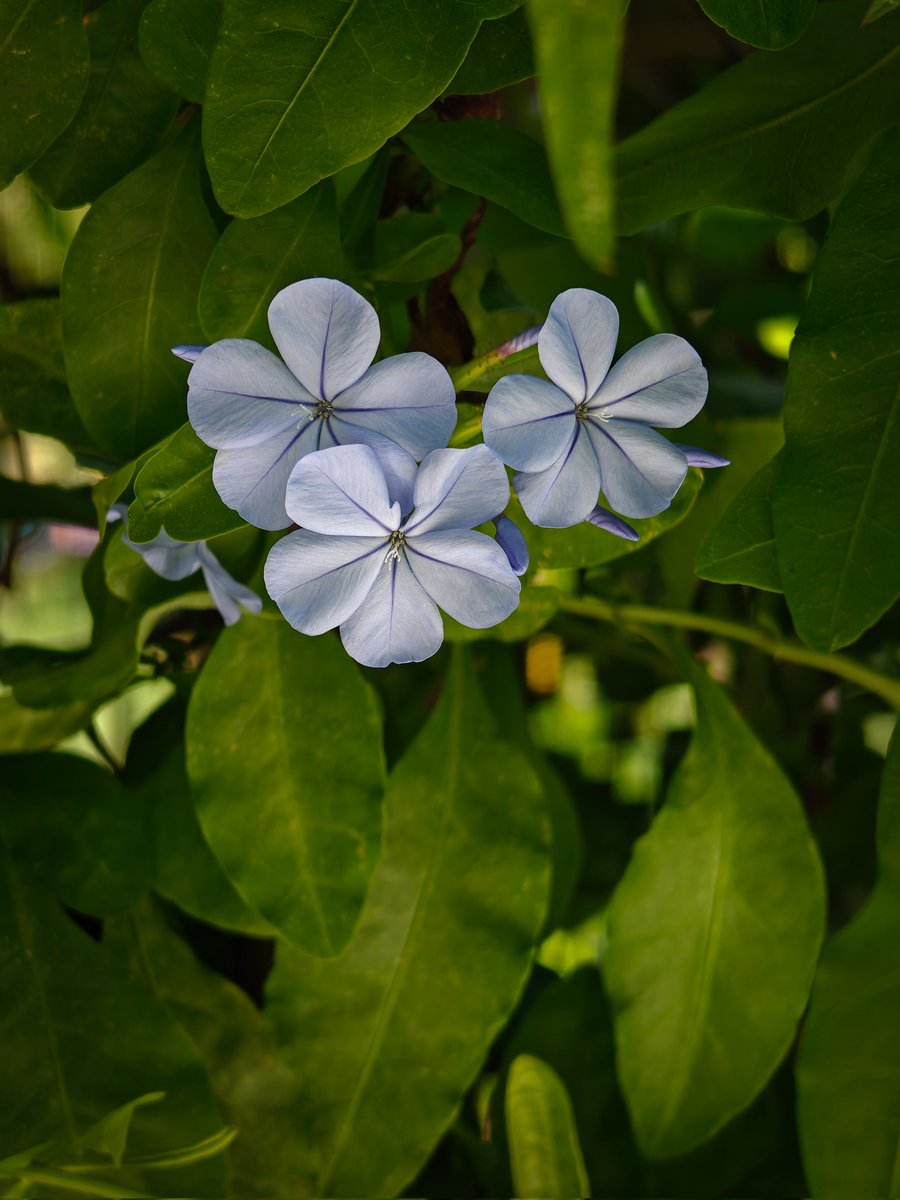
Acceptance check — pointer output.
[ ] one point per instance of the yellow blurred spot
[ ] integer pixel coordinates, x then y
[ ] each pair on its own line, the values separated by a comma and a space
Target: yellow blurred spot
796, 250
776, 334
543, 663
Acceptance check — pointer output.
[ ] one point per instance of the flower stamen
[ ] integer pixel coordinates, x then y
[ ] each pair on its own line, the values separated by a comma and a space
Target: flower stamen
397, 541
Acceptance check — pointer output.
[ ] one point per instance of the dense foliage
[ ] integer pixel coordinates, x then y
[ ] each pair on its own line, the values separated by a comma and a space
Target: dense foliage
602, 899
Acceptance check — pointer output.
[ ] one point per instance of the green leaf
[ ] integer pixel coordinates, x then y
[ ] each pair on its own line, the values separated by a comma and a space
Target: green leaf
411, 248
174, 492
255, 259
122, 117
176, 41
848, 1067
34, 395
740, 547
537, 606
493, 160
109, 1136
768, 24
584, 545
776, 133
720, 914
25, 729
543, 1141
107, 491
500, 56
46, 502
577, 49
836, 502
287, 106
284, 753
186, 870
433, 969
482, 373
81, 1040
129, 293
880, 8
45, 67
75, 827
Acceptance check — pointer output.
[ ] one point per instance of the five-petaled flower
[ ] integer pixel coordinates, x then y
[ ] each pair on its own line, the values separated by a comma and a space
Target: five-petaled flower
264, 415
377, 558
588, 430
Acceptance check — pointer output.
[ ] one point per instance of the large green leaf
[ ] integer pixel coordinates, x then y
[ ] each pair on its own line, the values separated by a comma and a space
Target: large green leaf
493, 160
837, 497
24, 729
284, 754
81, 1040
174, 491
545, 1155
776, 133
288, 103
177, 39
34, 395
719, 916
122, 117
129, 293
848, 1068
255, 259
73, 824
740, 547
500, 55
185, 869
391, 1034
45, 67
769, 24
577, 51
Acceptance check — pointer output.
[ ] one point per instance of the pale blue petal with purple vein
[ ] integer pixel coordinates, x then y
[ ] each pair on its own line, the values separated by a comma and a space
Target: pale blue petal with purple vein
341, 491
566, 492
399, 466
319, 581
512, 542
640, 470
240, 394
660, 381
578, 340
456, 489
188, 353
227, 594
698, 457
253, 480
409, 398
167, 558
397, 623
604, 519
528, 422
467, 574
326, 333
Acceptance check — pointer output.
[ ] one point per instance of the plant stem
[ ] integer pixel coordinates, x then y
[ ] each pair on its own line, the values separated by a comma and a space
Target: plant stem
787, 651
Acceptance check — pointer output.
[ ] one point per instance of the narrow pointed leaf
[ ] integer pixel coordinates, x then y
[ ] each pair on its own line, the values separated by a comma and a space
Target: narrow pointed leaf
740, 546
394, 1006
720, 914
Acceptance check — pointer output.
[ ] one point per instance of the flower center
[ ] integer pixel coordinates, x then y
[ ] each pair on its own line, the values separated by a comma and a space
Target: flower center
323, 410
397, 541
581, 411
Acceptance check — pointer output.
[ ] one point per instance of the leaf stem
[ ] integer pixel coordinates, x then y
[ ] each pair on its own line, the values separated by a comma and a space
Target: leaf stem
788, 651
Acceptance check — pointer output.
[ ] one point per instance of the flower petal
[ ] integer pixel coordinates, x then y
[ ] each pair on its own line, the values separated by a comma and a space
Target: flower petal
319, 581
604, 519
578, 340
698, 457
227, 594
341, 491
166, 557
660, 381
467, 574
408, 398
326, 333
566, 492
240, 394
396, 623
527, 422
398, 465
253, 479
456, 489
188, 353
640, 470
511, 541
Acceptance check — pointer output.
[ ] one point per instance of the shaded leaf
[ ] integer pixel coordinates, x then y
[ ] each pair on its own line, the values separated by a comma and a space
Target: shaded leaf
720, 913
500, 55
25, 729
543, 1141
411, 248
176, 41
769, 24
740, 547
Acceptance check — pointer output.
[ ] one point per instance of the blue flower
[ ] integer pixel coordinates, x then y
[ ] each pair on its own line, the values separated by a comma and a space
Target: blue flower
588, 430
263, 415
358, 564
177, 560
